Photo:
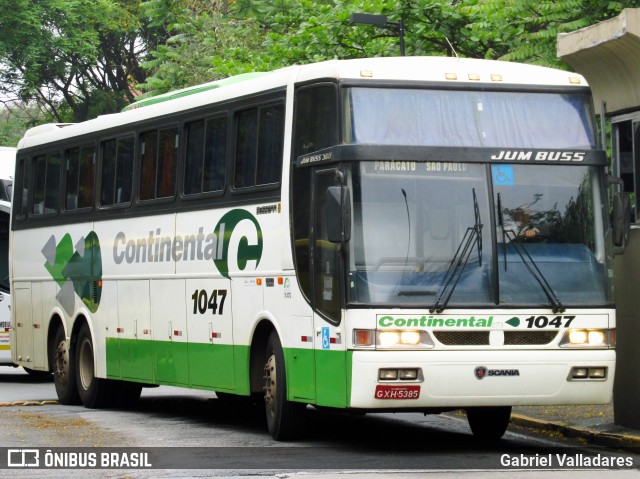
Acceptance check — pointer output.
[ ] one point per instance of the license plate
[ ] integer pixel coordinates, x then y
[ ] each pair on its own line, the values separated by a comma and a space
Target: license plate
397, 392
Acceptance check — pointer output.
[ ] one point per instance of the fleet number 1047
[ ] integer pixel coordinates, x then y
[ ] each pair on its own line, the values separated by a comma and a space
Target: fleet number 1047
543, 321
204, 301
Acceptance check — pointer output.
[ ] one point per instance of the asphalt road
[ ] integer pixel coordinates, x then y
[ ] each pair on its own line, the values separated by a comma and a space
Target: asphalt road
190, 433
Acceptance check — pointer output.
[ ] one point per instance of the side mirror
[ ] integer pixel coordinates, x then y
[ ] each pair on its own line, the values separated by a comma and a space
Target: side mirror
338, 211
621, 221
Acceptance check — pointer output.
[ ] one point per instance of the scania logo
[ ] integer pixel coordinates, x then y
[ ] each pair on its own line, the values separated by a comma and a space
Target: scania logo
480, 372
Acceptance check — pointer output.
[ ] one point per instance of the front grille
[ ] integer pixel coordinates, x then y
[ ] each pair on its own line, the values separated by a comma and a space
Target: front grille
525, 338
481, 338
462, 338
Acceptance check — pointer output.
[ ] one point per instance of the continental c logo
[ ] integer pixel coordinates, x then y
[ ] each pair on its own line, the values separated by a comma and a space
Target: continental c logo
245, 246
235, 244
77, 270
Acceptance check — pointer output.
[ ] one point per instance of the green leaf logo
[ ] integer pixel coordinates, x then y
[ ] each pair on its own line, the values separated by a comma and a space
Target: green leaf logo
77, 270
515, 322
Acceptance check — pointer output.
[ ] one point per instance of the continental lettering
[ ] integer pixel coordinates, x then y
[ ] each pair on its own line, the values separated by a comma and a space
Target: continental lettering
156, 247
434, 322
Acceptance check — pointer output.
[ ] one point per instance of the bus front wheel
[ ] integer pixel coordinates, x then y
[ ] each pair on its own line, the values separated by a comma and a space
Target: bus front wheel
94, 392
284, 418
489, 423
64, 372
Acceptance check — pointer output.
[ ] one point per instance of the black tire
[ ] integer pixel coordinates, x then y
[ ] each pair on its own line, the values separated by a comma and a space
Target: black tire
284, 418
35, 374
63, 365
489, 423
94, 392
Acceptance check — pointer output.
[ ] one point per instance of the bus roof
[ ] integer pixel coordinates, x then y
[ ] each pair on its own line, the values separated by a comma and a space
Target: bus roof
471, 72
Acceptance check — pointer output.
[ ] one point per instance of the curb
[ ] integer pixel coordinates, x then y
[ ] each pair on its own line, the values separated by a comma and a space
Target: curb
621, 440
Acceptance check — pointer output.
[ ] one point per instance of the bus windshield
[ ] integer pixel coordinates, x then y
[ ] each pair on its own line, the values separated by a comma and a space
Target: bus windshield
468, 118
489, 227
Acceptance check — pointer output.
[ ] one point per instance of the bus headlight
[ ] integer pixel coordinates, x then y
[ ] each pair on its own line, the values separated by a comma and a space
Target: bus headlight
393, 339
590, 338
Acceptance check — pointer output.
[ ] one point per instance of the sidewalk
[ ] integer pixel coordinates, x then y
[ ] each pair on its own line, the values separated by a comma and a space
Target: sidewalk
592, 424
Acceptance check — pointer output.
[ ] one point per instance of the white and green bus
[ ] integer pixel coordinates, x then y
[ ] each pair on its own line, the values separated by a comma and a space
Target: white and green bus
388, 234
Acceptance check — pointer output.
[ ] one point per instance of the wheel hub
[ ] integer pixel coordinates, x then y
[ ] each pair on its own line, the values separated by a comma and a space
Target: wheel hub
270, 384
62, 362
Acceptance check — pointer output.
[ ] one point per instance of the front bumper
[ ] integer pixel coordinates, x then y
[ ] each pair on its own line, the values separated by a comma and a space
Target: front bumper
510, 378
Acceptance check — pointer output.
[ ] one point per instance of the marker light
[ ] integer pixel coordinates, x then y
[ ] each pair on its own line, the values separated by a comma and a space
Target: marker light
580, 373
408, 374
388, 374
364, 337
391, 339
598, 373
584, 373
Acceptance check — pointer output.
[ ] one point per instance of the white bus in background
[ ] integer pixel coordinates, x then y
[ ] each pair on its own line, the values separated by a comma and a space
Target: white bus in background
385, 234
7, 168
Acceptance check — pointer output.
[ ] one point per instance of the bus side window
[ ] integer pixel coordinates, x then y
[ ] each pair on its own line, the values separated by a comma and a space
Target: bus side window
117, 171
259, 146
80, 177
206, 156
22, 190
46, 190
159, 153
316, 119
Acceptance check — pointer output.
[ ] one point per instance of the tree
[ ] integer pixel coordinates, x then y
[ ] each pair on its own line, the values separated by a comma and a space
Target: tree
526, 30
15, 118
207, 43
77, 58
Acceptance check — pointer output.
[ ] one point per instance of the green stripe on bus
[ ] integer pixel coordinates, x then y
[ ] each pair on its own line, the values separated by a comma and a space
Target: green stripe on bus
205, 366
226, 368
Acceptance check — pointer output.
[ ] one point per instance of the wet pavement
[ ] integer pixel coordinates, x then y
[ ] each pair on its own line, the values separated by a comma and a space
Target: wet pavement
592, 423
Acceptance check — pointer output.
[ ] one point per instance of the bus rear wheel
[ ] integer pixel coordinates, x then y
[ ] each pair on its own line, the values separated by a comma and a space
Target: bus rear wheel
284, 418
64, 371
489, 423
94, 392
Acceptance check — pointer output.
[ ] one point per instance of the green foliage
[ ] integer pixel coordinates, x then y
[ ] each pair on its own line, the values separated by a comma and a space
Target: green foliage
80, 58
204, 47
526, 30
73, 57
15, 118
249, 35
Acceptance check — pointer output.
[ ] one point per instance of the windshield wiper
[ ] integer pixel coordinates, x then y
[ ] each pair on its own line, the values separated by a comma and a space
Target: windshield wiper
531, 265
472, 237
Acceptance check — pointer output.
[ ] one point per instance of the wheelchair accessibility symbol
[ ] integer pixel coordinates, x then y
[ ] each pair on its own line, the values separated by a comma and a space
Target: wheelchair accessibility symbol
502, 175
326, 341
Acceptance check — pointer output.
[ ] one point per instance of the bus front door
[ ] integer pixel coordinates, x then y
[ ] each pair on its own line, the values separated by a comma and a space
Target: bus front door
329, 341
